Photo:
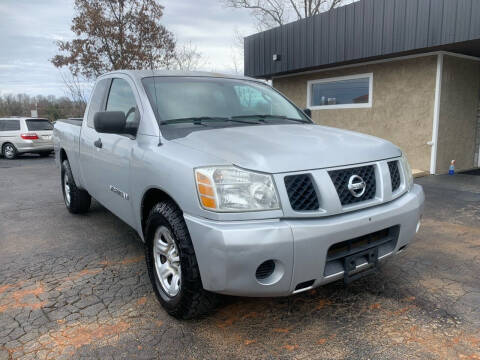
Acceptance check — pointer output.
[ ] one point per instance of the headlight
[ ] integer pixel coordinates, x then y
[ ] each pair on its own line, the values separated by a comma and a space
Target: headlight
407, 171
230, 189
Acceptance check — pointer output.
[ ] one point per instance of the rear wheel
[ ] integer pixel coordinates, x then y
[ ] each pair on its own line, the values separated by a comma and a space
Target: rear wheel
76, 200
9, 151
172, 264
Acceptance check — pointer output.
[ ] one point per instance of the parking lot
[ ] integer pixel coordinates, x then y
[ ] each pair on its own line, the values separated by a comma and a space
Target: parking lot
76, 287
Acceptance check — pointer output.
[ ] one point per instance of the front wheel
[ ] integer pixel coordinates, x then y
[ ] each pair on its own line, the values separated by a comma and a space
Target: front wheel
172, 265
76, 200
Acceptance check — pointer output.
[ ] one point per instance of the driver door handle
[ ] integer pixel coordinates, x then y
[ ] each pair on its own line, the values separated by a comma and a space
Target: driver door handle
98, 143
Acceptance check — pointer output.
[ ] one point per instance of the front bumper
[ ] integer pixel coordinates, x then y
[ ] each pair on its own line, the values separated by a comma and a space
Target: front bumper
228, 253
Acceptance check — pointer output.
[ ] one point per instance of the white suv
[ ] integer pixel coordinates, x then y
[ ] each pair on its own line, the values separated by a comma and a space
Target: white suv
25, 135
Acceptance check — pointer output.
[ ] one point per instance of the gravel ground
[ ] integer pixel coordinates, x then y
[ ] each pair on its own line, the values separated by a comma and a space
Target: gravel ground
76, 287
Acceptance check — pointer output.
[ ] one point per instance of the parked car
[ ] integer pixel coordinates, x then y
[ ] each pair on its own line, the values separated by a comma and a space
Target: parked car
25, 135
233, 189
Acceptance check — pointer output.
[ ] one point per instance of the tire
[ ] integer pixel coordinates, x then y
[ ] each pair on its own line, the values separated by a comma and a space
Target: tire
45, 154
76, 200
189, 300
9, 151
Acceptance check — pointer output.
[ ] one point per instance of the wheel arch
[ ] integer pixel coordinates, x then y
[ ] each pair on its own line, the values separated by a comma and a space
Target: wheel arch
6, 143
63, 155
150, 198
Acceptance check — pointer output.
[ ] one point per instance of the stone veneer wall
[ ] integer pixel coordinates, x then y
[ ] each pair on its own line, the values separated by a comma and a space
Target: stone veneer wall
457, 125
402, 107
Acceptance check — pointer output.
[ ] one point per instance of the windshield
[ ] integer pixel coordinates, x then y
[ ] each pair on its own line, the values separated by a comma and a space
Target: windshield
176, 98
37, 125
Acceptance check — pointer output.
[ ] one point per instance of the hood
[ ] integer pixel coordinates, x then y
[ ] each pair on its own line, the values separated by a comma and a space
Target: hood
289, 148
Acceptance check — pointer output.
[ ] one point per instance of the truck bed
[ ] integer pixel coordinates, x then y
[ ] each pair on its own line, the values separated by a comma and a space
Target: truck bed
66, 136
76, 122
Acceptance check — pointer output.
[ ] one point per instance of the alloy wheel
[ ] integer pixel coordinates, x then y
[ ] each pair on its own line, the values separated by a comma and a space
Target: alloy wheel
66, 187
167, 261
9, 151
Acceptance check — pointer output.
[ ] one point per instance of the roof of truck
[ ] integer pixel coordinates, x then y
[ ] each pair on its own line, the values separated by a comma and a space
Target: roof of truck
148, 73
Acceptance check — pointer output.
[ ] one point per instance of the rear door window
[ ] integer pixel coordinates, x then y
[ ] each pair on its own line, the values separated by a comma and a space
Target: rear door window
9, 125
38, 125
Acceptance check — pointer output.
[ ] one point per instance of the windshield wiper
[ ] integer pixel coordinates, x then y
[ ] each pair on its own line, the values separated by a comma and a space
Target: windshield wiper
265, 116
199, 120
196, 120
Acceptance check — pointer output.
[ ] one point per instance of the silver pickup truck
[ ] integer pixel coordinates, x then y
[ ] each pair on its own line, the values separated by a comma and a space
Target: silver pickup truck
232, 188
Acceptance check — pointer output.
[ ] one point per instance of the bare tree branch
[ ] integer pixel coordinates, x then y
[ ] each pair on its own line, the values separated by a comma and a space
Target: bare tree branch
76, 87
187, 58
271, 13
295, 7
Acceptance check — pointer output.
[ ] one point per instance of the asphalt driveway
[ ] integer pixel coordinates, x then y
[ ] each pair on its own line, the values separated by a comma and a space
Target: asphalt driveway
76, 287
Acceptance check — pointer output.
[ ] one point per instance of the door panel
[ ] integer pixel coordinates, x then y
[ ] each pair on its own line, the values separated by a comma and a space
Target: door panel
109, 155
113, 168
90, 171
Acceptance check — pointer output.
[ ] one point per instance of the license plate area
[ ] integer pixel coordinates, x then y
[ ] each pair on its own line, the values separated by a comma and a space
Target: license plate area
360, 264
383, 241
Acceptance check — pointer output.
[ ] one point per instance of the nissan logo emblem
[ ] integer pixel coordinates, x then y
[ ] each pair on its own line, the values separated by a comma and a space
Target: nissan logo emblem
356, 186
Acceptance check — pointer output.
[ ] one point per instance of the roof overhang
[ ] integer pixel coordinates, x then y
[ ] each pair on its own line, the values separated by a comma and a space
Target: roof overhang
361, 32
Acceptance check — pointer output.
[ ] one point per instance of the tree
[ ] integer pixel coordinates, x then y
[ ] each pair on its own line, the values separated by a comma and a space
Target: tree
116, 34
48, 106
76, 89
271, 13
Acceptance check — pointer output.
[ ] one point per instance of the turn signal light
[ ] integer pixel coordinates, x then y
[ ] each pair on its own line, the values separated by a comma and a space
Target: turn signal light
29, 136
205, 190
208, 202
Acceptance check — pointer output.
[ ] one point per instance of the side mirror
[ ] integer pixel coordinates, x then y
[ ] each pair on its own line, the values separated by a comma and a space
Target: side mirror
110, 122
308, 112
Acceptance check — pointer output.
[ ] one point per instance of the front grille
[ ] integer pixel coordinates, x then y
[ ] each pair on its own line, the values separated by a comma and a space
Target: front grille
394, 174
341, 178
301, 192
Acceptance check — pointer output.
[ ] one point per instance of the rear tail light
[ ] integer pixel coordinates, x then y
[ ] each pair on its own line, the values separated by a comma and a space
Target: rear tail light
29, 136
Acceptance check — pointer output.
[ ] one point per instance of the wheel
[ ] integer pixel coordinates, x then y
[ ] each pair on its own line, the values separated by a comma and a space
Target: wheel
9, 151
172, 265
76, 200
45, 154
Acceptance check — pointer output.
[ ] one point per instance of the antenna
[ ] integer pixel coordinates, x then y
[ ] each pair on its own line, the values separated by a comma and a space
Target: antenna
155, 96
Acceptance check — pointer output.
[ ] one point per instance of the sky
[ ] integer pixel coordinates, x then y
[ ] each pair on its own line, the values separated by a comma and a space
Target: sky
30, 28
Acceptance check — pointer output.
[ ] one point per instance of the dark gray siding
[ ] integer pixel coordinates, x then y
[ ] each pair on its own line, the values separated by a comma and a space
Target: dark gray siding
365, 30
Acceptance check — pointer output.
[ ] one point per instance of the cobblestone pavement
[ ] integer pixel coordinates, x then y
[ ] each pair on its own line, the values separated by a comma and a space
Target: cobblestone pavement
76, 287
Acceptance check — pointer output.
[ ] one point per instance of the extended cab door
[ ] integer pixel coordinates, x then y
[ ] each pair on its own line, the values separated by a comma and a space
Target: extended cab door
107, 157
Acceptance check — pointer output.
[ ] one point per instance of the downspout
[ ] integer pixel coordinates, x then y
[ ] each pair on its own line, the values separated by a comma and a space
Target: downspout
477, 141
436, 115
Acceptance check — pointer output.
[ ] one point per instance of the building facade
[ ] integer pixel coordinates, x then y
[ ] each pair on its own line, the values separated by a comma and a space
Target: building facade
408, 73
